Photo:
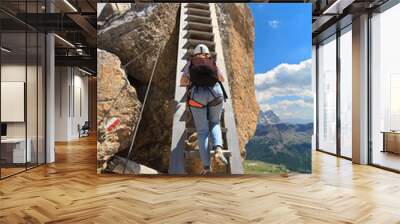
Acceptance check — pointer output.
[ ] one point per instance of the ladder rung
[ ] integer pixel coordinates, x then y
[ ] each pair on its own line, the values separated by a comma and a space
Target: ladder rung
198, 12
193, 153
200, 35
198, 5
199, 19
193, 130
198, 26
226, 152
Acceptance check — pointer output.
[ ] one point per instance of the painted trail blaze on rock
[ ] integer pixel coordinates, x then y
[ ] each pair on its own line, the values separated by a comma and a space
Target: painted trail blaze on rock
112, 123
117, 108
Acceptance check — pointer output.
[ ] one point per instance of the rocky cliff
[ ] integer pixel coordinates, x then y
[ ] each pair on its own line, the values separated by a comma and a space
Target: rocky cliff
137, 37
117, 108
139, 34
237, 32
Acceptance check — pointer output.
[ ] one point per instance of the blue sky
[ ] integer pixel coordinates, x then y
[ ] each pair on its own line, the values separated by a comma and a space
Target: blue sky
282, 34
282, 59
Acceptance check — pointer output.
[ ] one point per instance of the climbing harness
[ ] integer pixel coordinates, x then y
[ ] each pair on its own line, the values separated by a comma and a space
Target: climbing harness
194, 103
217, 99
191, 102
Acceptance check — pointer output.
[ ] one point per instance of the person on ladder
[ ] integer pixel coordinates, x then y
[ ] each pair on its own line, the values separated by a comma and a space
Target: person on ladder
206, 95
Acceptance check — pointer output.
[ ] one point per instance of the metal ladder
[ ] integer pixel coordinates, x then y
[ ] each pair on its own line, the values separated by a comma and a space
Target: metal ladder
198, 24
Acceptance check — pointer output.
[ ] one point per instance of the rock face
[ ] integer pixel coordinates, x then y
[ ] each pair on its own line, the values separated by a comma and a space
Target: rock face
117, 164
136, 37
112, 10
117, 107
237, 32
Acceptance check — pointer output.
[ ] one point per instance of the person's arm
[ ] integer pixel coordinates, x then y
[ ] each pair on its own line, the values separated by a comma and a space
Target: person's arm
185, 80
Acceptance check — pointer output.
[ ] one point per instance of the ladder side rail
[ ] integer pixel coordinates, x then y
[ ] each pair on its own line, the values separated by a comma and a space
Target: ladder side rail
176, 164
230, 123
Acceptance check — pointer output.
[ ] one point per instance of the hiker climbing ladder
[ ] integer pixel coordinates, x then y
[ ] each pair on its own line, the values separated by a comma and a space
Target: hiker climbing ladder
199, 24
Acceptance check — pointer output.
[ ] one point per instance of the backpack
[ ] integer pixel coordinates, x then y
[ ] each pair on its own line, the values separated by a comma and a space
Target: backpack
203, 72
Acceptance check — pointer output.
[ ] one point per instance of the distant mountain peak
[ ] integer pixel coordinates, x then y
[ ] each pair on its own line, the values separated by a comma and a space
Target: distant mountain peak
268, 117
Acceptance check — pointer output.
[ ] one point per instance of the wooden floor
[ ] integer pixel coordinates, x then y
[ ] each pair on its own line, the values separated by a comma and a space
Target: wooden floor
70, 191
10, 171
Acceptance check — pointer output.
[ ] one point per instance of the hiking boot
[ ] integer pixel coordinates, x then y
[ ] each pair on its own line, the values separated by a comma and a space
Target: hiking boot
219, 156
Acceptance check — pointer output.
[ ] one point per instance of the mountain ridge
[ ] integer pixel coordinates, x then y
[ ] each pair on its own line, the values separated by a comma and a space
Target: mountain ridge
281, 143
268, 117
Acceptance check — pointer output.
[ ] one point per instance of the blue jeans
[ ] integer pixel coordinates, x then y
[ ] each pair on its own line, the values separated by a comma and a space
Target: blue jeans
210, 126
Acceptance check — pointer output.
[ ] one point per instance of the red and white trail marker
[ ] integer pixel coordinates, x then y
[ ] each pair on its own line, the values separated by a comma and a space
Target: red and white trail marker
112, 123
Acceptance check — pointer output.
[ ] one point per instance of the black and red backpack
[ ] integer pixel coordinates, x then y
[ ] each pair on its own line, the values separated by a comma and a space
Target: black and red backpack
203, 72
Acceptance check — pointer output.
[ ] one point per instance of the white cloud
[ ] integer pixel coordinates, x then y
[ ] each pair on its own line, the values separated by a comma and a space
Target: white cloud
293, 110
286, 89
274, 23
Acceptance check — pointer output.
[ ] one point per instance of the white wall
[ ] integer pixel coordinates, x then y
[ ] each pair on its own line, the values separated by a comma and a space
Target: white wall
33, 126
80, 109
62, 81
16, 73
71, 102
13, 101
12, 73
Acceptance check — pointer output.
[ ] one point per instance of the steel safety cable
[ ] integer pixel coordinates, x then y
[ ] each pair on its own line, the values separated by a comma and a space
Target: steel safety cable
125, 85
142, 109
129, 62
